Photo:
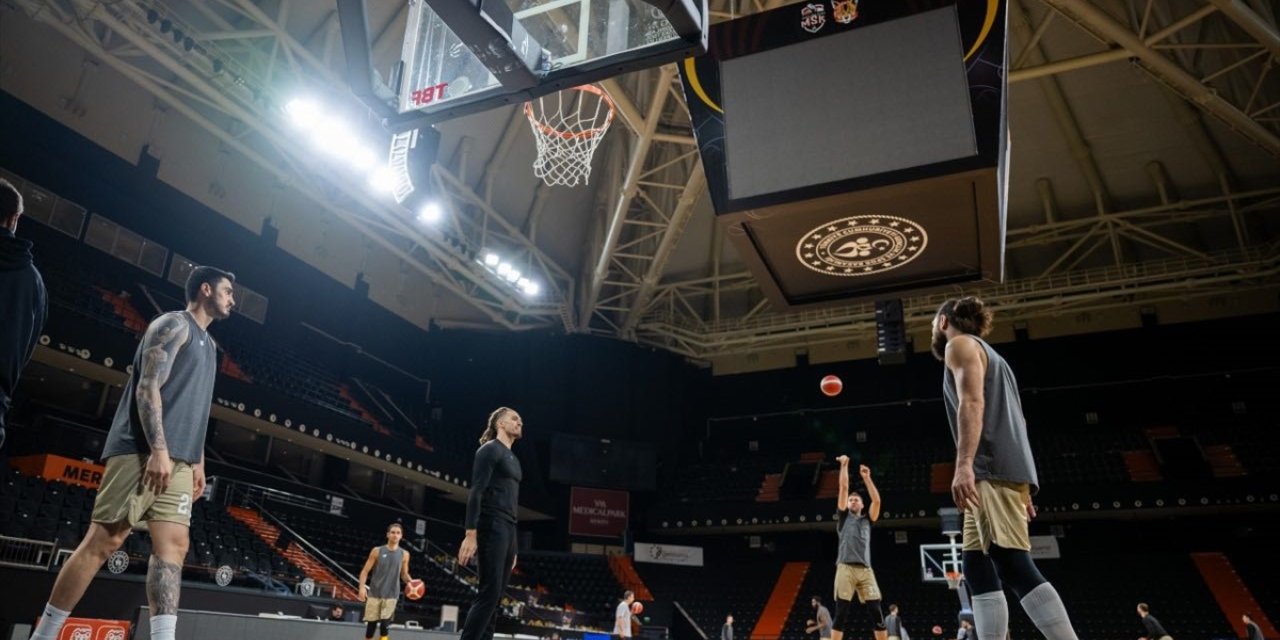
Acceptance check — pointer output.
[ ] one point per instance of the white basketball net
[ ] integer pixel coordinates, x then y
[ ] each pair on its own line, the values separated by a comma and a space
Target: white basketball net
568, 126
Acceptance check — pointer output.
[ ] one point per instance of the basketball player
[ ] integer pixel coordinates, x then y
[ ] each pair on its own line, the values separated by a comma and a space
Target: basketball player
893, 623
853, 566
389, 564
995, 475
1251, 629
1155, 630
622, 615
154, 456
491, 520
822, 619
24, 302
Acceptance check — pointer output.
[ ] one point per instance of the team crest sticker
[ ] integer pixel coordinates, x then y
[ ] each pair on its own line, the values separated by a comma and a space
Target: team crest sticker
844, 11
861, 245
118, 561
222, 577
813, 17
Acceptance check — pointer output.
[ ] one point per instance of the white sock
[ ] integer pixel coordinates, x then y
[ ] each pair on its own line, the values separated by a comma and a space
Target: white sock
51, 622
1044, 607
991, 615
163, 626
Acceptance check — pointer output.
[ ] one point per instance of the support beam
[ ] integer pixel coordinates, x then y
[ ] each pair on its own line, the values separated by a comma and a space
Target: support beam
289, 42
1068, 124
1100, 22
635, 169
1180, 211
1095, 289
693, 190
1253, 24
1102, 57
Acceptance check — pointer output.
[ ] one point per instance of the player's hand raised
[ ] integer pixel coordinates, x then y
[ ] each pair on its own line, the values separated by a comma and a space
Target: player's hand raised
843, 460
864, 471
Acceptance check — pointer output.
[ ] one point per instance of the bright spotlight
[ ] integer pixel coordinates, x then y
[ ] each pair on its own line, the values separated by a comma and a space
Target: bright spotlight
491, 260
512, 275
522, 282
430, 213
333, 137
304, 113
504, 269
531, 288
382, 180
363, 158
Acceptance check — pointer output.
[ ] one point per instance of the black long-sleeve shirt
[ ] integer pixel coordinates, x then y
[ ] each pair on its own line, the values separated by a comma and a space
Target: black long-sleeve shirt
495, 485
1155, 630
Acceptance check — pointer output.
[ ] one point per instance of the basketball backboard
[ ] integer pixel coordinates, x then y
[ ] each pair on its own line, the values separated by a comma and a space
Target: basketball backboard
937, 560
448, 64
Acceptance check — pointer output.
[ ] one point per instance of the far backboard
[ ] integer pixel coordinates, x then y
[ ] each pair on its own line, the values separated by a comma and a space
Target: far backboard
571, 42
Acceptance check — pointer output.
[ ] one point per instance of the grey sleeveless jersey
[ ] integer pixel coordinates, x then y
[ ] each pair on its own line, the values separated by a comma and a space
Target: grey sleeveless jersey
1004, 452
855, 539
185, 400
385, 581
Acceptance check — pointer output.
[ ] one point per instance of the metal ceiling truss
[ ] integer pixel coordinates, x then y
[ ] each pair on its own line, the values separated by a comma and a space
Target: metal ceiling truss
656, 196
1217, 70
1218, 91
483, 227
233, 85
1218, 57
669, 326
697, 317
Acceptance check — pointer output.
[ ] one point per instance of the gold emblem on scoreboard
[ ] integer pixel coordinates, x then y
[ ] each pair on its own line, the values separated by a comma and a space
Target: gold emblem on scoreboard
844, 11
861, 245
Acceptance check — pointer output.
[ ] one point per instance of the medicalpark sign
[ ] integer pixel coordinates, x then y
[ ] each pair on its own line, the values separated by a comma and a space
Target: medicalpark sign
599, 513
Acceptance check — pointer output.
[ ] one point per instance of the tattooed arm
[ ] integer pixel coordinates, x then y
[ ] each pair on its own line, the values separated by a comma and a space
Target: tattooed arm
160, 346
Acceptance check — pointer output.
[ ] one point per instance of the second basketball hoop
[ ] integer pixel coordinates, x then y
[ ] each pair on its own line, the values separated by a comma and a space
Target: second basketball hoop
567, 127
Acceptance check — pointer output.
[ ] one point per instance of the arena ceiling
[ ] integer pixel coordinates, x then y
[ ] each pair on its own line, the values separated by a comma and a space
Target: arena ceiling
1146, 170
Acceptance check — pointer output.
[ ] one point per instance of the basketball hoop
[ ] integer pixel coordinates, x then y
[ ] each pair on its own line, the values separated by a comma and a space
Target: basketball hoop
567, 127
953, 580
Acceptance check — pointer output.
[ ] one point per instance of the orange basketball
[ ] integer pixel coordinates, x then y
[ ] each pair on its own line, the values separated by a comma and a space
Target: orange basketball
415, 589
831, 386
637, 608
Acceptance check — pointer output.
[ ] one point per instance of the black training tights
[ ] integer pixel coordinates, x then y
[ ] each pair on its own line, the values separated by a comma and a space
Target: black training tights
372, 625
495, 552
984, 572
